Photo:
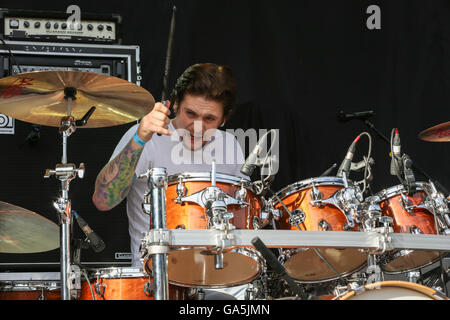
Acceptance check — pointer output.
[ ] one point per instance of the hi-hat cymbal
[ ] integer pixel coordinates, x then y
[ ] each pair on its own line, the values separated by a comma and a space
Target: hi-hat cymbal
439, 133
38, 97
23, 231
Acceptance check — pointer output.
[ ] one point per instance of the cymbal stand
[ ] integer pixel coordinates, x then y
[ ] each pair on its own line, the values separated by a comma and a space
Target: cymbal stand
66, 172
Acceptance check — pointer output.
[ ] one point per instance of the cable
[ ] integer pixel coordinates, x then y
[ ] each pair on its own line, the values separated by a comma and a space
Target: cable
13, 59
366, 160
89, 283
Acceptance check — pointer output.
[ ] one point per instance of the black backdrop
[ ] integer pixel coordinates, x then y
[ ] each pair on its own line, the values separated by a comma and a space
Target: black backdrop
297, 63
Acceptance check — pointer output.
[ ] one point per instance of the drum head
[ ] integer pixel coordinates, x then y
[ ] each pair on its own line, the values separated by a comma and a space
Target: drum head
394, 290
307, 266
196, 268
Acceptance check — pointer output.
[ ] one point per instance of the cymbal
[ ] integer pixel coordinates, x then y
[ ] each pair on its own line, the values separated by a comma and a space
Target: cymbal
23, 231
38, 97
439, 133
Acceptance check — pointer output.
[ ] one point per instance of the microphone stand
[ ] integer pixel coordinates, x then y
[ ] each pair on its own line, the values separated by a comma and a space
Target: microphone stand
414, 165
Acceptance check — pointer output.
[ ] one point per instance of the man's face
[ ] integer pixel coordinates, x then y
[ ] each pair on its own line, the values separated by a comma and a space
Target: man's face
197, 115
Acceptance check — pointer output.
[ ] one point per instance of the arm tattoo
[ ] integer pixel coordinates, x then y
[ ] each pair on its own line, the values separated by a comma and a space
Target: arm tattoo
114, 181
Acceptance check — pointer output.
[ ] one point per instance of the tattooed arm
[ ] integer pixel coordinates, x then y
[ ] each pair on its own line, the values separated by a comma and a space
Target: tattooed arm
115, 179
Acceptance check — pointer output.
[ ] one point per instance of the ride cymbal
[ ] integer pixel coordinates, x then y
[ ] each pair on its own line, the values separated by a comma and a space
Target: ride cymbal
439, 133
39, 97
23, 231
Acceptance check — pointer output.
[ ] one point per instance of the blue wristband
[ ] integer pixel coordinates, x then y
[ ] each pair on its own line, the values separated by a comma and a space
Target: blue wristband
138, 140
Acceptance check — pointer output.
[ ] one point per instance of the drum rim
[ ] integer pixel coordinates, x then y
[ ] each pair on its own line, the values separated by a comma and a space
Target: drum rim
249, 252
434, 294
206, 176
305, 184
111, 272
397, 190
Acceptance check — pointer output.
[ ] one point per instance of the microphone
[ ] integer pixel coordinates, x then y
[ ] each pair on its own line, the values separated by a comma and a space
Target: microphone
396, 163
278, 268
362, 115
250, 163
96, 243
346, 164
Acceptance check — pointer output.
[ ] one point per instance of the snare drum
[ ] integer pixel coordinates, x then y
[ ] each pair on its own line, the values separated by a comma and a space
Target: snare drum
195, 267
122, 284
409, 216
305, 265
30, 286
393, 290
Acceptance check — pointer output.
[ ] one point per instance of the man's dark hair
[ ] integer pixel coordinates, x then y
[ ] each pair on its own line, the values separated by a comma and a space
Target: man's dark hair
209, 80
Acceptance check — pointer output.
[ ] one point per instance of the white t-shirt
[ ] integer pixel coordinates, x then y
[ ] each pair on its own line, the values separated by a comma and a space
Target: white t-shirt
168, 152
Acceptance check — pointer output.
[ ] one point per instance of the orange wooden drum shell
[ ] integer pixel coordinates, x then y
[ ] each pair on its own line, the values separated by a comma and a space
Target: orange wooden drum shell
190, 215
30, 295
301, 200
126, 289
402, 220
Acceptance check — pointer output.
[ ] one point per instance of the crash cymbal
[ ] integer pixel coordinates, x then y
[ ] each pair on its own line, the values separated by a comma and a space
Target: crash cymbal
38, 97
439, 133
23, 231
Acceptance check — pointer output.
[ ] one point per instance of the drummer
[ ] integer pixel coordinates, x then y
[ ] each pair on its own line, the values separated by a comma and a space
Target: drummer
204, 97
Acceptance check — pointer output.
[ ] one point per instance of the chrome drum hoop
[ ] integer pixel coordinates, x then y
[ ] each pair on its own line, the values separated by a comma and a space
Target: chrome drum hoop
397, 190
116, 273
305, 184
206, 176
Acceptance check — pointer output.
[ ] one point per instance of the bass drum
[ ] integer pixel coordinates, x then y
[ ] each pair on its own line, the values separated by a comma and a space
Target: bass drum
305, 265
195, 267
393, 290
119, 283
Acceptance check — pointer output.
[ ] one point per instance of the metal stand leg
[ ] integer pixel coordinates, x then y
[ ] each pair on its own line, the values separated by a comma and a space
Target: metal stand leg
158, 184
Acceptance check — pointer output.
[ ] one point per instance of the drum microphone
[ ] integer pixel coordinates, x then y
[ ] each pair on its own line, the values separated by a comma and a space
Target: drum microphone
362, 115
250, 163
96, 243
345, 165
277, 267
396, 162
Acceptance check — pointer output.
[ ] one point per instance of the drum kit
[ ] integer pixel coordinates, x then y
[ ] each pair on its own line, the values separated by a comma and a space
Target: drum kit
203, 225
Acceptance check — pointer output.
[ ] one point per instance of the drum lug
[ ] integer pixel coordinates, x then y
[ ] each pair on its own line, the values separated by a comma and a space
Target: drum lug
241, 193
323, 225
100, 288
415, 230
256, 223
297, 217
181, 191
316, 197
